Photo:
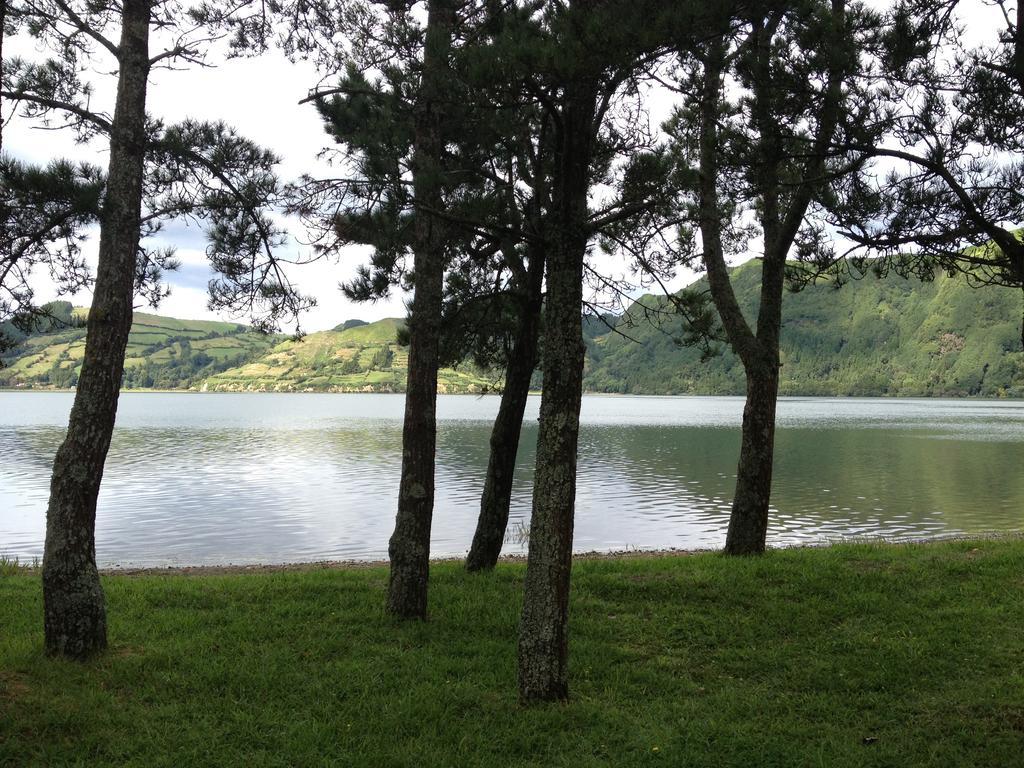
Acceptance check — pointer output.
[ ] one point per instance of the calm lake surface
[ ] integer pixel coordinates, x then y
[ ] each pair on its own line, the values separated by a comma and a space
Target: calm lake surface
245, 478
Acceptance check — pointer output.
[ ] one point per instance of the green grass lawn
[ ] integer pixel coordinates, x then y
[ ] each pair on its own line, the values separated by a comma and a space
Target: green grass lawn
855, 655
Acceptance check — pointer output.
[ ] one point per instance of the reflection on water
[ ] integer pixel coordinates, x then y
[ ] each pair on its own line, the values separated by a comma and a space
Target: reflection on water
195, 479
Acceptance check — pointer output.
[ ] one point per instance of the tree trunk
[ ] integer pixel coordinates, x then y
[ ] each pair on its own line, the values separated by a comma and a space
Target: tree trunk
543, 631
748, 523
74, 611
497, 495
409, 547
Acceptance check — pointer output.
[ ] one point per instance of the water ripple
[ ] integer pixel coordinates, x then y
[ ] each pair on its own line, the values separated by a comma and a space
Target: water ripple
206, 479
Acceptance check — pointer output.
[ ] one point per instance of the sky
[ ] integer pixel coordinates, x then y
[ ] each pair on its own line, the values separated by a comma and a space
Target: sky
259, 97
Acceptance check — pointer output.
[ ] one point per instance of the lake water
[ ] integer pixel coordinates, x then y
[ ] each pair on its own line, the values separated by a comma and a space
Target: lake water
272, 478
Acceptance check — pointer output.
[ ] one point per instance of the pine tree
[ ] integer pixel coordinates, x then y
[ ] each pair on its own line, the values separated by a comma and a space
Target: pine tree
156, 172
948, 195
522, 158
768, 154
586, 56
499, 164
492, 279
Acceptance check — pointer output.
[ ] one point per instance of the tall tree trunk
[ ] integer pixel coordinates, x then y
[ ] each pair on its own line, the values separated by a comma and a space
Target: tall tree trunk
74, 610
543, 630
409, 547
748, 523
497, 495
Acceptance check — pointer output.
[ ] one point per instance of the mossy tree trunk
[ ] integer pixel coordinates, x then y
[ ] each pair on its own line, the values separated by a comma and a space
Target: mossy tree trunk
74, 610
409, 547
748, 521
543, 630
497, 495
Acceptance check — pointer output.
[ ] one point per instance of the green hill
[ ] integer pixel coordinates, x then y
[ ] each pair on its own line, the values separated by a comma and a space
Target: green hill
873, 336
162, 352
362, 358
354, 323
166, 353
885, 336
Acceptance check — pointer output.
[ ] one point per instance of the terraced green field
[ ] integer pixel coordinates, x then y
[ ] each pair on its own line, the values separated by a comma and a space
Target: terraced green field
162, 352
366, 358
166, 353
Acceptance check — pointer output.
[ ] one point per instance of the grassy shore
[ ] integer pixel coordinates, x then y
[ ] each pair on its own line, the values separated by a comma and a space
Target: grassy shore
874, 655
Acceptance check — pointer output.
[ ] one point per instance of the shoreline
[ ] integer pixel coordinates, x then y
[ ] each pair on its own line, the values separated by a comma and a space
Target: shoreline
532, 393
233, 569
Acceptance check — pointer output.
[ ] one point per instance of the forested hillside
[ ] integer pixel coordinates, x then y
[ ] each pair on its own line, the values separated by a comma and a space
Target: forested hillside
886, 336
872, 336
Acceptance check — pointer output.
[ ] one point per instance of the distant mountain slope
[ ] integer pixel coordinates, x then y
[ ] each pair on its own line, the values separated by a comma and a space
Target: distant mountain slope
870, 337
361, 358
354, 323
162, 353
886, 336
